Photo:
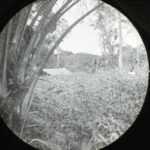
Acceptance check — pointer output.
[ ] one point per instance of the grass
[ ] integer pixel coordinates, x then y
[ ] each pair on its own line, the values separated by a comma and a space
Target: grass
70, 108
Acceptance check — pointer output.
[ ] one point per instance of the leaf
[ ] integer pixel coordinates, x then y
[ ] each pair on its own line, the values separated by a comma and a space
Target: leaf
48, 144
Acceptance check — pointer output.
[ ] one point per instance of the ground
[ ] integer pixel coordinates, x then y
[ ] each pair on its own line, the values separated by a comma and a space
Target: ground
84, 109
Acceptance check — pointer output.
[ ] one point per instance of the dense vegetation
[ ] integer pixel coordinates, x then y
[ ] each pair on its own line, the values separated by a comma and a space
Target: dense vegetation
68, 109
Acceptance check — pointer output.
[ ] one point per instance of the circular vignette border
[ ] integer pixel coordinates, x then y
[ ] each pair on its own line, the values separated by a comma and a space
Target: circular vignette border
137, 135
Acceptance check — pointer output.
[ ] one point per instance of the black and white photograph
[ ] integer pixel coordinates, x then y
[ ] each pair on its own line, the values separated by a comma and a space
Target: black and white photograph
73, 74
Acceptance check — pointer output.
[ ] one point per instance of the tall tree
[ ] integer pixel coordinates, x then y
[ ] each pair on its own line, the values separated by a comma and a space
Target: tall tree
107, 29
3, 81
120, 54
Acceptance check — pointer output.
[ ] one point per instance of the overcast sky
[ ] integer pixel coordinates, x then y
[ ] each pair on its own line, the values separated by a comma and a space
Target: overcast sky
83, 38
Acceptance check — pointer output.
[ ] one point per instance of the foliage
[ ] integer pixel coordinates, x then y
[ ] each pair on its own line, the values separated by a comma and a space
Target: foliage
70, 108
87, 62
107, 28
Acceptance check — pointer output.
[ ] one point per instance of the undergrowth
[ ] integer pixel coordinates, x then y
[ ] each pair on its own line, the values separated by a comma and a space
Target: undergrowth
84, 111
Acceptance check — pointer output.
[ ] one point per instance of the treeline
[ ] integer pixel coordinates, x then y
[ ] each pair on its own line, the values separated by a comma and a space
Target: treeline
91, 63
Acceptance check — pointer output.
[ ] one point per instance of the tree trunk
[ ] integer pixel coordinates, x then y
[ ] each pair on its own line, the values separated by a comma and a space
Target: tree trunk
137, 56
58, 58
18, 36
20, 73
28, 10
50, 27
3, 84
120, 42
97, 63
25, 60
17, 39
2, 51
40, 11
23, 63
104, 48
69, 7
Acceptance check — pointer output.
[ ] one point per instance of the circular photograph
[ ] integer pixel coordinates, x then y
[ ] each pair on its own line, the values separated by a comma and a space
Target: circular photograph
73, 74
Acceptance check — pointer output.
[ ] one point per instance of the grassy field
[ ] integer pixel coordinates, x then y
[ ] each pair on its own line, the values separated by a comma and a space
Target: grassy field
83, 110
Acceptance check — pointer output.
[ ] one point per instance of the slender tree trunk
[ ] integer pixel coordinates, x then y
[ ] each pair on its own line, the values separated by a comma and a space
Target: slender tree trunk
3, 85
17, 39
103, 34
18, 36
50, 27
40, 11
19, 42
27, 97
120, 42
25, 60
137, 56
2, 51
97, 64
58, 58
28, 11
104, 48
69, 7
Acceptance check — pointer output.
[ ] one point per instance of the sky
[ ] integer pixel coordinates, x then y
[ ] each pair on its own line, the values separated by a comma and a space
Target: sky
83, 38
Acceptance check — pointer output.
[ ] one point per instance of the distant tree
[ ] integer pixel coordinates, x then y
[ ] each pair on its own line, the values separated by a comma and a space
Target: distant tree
107, 28
120, 60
